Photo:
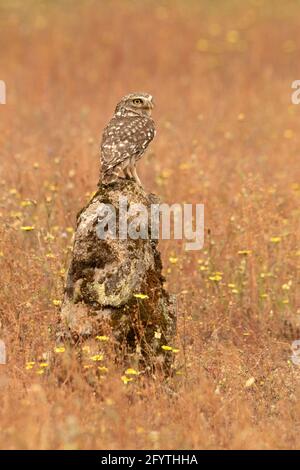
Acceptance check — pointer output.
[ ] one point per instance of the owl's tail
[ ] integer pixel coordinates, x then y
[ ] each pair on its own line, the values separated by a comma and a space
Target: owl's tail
110, 176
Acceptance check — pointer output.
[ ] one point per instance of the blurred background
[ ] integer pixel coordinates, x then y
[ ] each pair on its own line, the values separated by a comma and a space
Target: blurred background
221, 74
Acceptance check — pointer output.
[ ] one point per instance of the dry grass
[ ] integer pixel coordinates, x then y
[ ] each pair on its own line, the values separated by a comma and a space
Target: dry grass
227, 137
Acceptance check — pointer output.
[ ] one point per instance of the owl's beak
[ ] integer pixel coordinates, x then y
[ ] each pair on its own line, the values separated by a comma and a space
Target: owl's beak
150, 104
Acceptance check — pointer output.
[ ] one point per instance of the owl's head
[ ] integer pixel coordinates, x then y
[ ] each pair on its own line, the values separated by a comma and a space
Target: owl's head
135, 104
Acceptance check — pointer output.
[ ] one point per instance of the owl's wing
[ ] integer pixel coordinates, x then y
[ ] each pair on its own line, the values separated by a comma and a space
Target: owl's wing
123, 138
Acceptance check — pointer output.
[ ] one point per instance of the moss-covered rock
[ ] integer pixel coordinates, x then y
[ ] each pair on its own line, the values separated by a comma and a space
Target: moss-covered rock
118, 283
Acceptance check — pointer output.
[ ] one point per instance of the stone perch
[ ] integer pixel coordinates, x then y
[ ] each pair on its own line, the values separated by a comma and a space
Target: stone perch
115, 286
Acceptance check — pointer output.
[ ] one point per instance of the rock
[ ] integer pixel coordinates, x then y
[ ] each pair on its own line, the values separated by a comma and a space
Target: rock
116, 285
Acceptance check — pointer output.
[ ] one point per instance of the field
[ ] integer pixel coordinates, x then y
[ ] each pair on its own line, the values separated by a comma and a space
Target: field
221, 75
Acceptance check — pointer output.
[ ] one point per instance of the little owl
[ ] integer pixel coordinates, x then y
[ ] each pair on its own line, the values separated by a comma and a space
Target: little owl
126, 137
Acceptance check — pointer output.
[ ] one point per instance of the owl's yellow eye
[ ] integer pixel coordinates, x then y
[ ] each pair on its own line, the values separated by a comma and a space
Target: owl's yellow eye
137, 101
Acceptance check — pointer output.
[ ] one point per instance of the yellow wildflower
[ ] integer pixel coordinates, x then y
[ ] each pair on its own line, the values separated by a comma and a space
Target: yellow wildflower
27, 228
263, 275
286, 286
141, 296
13, 191
29, 365
97, 357
102, 338
125, 379
131, 371
275, 239
59, 349
216, 278
25, 203
203, 268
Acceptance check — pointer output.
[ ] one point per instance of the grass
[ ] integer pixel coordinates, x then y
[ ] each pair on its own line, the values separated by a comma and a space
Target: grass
227, 137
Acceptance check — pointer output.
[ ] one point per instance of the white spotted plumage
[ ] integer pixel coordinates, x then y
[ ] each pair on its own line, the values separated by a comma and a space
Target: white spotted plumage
127, 136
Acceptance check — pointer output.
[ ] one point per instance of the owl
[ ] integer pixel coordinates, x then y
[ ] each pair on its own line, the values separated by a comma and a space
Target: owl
126, 137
